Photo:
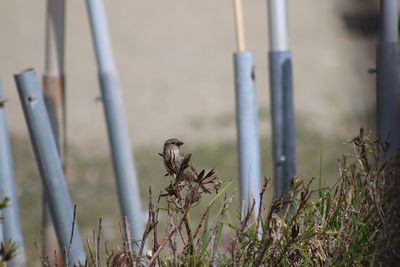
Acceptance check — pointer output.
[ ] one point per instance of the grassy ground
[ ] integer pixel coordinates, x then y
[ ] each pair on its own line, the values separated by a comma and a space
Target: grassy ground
93, 189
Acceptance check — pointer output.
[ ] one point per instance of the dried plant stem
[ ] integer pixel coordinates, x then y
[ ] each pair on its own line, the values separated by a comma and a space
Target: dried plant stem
266, 237
190, 244
203, 217
98, 242
166, 239
149, 227
155, 221
110, 255
243, 224
90, 251
217, 229
172, 241
68, 249
45, 260
267, 184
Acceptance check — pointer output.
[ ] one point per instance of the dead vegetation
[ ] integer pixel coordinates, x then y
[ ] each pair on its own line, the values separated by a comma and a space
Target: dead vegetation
354, 223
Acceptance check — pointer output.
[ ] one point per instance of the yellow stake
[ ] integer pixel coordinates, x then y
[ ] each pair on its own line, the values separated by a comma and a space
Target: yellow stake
238, 9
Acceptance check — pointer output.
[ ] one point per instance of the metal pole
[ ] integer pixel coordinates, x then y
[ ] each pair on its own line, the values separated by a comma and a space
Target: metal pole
246, 118
283, 120
124, 169
389, 21
49, 165
388, 80
10, 215
54, 95
247, 131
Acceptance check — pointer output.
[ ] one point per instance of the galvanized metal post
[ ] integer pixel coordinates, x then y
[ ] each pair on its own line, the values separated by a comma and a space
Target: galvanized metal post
388, 77
247, 131
10, 215
49, 165
389, 21
283, 120
124, 169
54, 95
246, 118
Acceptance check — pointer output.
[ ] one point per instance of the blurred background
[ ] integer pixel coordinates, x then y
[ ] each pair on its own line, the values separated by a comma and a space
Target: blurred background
175, 66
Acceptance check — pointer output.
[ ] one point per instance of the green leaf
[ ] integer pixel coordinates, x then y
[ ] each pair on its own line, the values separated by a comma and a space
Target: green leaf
4, 203
306, 258
205, 239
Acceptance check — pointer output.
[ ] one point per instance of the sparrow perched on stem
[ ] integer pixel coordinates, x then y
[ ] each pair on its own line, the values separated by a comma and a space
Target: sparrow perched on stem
173, 159
179, 165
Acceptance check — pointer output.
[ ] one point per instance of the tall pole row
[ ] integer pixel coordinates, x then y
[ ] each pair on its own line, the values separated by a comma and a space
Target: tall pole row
282, 110
124, 169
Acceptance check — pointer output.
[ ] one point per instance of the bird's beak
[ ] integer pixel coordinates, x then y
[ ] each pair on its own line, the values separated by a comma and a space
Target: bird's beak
180, 143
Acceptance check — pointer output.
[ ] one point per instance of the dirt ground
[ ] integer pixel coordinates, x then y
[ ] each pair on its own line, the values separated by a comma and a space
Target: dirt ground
175, 65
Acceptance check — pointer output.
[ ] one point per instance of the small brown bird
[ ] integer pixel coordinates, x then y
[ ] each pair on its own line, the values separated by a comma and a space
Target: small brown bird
179, 165
173, 159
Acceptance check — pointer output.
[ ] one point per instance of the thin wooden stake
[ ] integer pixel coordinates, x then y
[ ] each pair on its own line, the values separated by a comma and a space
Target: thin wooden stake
239, 25
54, 94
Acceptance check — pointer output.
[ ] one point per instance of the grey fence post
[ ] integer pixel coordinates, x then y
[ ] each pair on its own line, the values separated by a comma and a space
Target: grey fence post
247, 130
283, 120
124, 169
388, 77
10, 215
49, 165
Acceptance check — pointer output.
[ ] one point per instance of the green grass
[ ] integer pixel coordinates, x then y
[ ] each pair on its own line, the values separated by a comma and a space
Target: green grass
92, 183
